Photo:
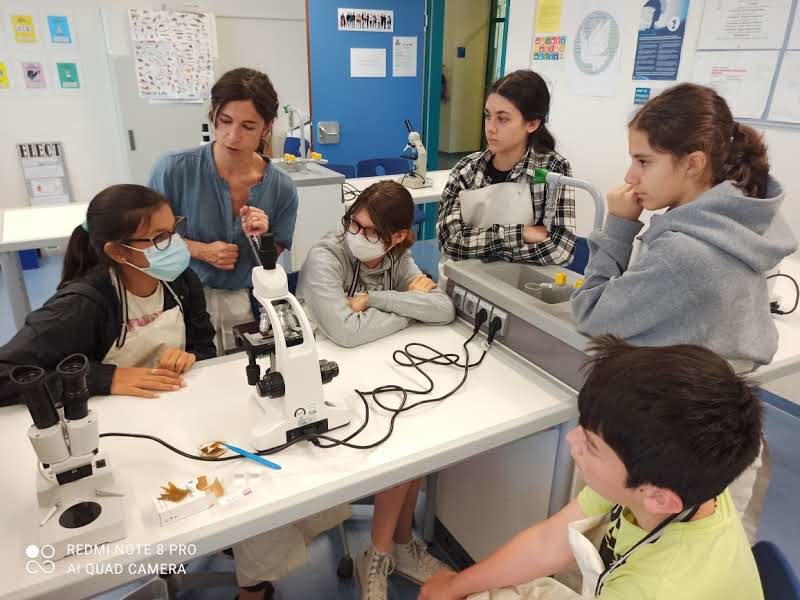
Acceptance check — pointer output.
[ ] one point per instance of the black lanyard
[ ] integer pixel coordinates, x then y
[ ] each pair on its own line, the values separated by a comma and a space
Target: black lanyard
651, 537
357, 271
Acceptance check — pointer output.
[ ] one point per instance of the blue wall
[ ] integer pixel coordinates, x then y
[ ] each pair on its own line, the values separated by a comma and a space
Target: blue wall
370, 111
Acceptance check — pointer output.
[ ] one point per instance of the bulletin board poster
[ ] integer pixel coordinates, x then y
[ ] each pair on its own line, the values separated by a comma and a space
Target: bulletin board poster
173, 54
68, 75
549, 47
5, 82
33, 75
362, 19
23, 28
662, 24
45, 173
60, 32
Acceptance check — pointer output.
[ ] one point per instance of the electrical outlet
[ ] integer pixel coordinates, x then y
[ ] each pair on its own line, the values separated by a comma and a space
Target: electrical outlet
503, 321
470, 304
458, 297
483, 304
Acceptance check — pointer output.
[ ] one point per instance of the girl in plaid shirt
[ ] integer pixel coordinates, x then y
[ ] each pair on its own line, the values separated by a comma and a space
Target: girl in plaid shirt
518, 143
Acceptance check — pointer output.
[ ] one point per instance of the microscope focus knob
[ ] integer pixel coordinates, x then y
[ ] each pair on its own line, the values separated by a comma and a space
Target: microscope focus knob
328, 369
272, 385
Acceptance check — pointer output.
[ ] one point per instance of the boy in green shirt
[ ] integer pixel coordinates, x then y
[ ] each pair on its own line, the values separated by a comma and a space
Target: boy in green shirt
662, 432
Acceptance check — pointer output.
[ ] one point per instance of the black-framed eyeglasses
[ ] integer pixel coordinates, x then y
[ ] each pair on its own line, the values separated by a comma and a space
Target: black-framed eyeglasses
354, 227
162, 240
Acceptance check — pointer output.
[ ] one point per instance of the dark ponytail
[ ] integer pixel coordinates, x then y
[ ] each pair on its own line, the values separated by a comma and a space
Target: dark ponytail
747, 164
113, 215
689, 117
528, 92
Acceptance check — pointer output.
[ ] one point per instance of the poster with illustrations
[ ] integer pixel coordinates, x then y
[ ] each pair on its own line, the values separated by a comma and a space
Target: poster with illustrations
172, 53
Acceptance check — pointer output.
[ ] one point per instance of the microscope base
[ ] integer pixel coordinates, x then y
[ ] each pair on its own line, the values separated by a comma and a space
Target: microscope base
275, 430
108, 526
416, 182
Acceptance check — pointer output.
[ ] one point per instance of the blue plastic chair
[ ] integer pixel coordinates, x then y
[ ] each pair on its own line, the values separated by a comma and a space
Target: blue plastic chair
292, 146
349, 171
581, 257
381, 166
778, 579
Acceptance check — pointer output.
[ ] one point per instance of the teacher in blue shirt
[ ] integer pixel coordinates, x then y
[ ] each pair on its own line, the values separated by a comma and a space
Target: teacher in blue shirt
227, 190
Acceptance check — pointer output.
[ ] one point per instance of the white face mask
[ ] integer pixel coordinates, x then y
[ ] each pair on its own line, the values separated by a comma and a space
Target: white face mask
364, 250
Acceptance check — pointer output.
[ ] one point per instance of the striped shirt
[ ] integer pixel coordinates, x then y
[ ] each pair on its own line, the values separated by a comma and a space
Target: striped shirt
459, 241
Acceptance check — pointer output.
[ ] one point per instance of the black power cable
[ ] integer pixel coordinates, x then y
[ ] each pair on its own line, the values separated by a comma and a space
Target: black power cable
774, 307
412, 360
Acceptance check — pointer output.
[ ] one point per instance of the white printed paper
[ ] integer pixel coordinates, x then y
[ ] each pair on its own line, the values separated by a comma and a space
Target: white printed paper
593, 58
47, 187
173, 53
742, 78
743, 24
404, 56
367, 62
786, 97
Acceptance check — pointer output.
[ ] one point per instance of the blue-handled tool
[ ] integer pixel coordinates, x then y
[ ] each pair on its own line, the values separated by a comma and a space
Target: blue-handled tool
253, 457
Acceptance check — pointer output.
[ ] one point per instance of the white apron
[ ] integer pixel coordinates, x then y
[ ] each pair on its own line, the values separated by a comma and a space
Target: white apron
143, 346
588, 562
507, 203
226, 309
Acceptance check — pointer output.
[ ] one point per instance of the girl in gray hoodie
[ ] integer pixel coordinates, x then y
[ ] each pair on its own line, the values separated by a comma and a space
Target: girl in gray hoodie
698, 276
361, 284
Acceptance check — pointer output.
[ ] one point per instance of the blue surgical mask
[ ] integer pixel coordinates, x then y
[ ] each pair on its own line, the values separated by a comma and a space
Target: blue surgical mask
168, 264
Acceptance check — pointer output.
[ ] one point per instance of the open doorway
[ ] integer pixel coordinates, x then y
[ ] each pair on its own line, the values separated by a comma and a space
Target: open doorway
473, 56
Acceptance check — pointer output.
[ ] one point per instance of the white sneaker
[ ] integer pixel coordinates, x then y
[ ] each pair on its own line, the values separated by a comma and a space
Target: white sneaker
414, 562
372, 569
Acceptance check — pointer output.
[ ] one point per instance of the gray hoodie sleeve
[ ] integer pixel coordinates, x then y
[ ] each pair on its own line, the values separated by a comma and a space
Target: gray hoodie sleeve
641, 304
321, 285
434, 307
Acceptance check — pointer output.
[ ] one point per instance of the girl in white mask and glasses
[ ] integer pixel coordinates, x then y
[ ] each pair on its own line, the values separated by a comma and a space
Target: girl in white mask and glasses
361, 284
127, 300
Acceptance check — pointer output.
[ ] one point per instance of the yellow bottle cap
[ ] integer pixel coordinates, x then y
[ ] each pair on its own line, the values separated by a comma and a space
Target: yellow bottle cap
316, 156
560, 278
578, 282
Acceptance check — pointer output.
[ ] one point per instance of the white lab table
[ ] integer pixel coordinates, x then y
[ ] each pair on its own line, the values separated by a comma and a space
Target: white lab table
25, 229
503, 400
420, 195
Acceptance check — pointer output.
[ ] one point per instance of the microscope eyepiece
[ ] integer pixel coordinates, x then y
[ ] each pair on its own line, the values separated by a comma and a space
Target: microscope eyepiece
268, 253
30, 381
75, 395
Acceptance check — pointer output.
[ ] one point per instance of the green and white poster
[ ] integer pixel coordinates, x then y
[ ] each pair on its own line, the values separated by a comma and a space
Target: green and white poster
68, 75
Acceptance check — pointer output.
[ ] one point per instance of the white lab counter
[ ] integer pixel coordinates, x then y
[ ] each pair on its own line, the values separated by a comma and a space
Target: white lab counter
27, 228
420, 195
503, 401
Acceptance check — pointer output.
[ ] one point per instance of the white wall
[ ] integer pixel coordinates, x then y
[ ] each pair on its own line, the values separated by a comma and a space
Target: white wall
591, 132
81, 120
87, 122
466, 24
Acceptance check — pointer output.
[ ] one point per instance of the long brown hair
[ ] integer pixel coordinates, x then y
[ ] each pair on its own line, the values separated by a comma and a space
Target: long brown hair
527, 91
689, 117
113, 215
391, 209
245, 84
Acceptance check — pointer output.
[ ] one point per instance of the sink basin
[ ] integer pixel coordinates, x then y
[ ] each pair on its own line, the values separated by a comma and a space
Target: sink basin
531, 280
